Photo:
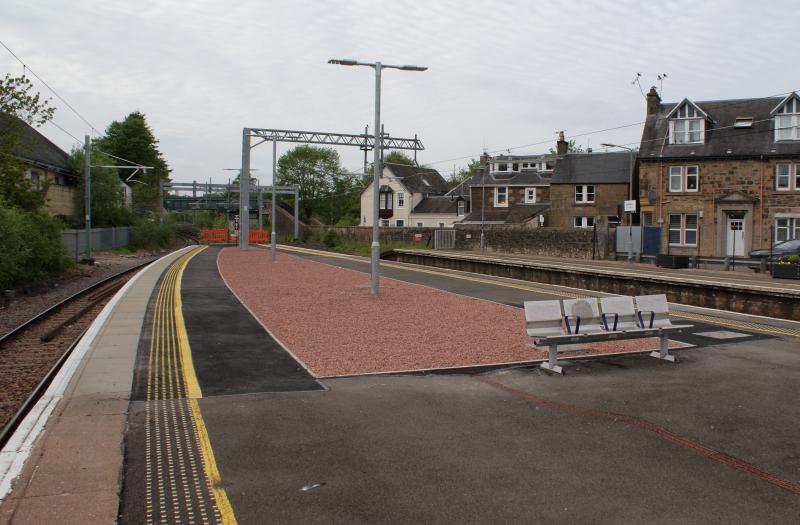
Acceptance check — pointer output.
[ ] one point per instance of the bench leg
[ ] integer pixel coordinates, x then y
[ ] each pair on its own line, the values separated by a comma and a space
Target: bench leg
663, 351
552, 360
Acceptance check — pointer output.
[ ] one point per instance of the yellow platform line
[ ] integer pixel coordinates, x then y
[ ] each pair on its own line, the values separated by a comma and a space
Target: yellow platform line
193, 393
731, 323
187, 364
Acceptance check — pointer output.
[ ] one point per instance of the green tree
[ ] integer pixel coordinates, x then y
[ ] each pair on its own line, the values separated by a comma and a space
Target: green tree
398, 157
572, 147
19, 106
108, 196
132, 139
319, 174
464, 173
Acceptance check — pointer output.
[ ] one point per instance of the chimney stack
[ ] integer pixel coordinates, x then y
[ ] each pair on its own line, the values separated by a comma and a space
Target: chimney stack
562, 146
484, 159
653, 101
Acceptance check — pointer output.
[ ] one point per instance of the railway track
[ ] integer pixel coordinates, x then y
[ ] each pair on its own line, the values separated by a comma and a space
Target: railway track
32, 354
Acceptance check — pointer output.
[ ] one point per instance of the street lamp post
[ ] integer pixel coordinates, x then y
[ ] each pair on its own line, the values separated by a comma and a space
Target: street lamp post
630, 196
377, 159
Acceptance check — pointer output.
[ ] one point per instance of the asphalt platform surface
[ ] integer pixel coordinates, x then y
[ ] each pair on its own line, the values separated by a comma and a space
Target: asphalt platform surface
626, 439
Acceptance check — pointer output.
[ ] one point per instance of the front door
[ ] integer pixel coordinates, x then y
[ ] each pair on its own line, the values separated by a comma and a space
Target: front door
735, 244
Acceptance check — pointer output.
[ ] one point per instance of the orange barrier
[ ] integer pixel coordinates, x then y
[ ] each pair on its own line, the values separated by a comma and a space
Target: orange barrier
211, 236
259, 236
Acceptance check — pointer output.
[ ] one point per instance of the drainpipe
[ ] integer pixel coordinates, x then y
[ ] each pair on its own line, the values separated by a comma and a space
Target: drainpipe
761, 207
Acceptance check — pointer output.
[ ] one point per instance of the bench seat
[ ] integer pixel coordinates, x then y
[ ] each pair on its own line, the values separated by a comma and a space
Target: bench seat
574, 321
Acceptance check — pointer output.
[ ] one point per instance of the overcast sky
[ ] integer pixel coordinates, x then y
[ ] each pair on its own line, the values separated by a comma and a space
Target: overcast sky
502, 74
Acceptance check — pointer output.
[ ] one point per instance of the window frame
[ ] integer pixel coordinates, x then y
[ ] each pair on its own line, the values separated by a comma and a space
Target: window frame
497, 197
683, 175
582, 221
527, 191
682, 229
792, 176
400, 223
401, 199
461, 208
687, 132
584, 193
791, 112
384, 223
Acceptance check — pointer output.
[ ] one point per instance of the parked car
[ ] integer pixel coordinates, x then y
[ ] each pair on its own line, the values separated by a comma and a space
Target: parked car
779, 250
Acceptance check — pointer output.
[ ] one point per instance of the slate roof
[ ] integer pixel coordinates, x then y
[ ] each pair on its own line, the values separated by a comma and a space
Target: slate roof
721, 139
512, 215
593, 168
419, 179
438, 204
35, 148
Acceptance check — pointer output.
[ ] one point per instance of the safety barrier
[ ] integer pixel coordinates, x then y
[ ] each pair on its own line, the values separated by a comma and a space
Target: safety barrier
211, 236
259, 236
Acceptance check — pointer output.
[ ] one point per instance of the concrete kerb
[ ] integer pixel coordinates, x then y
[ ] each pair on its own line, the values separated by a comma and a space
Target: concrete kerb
19, 447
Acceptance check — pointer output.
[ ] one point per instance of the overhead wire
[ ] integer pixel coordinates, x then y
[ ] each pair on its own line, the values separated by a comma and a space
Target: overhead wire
62, 99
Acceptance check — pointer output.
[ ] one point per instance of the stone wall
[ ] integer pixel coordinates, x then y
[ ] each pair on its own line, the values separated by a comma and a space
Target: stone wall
388, 234
553, 242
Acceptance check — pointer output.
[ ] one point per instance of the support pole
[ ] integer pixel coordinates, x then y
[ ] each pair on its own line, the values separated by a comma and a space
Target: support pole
87, 171
377, 168
161, 202
297, 213
260, 208
273, 220
244, 192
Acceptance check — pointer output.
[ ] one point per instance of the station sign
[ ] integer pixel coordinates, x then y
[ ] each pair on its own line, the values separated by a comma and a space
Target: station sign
630, 206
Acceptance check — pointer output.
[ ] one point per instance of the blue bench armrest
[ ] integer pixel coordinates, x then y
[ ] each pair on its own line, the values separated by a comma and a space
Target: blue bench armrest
577, 324
641, 319
605, 322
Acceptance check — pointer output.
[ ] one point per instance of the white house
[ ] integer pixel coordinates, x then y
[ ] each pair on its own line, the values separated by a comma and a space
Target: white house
412, 196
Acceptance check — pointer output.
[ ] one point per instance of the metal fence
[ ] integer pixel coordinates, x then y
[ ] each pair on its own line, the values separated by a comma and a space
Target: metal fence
102, 239
444, 239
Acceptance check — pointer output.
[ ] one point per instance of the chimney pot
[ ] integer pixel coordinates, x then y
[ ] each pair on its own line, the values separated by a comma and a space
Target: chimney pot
562, 146
653, 101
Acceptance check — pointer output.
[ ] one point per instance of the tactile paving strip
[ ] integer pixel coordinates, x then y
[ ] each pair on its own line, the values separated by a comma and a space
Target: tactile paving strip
178, 489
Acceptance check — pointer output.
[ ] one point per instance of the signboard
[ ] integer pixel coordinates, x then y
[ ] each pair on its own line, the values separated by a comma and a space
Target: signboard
630, 206
417, 237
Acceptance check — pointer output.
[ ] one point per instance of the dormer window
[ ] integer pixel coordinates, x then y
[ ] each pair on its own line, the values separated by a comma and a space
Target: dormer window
686, 125
787, 120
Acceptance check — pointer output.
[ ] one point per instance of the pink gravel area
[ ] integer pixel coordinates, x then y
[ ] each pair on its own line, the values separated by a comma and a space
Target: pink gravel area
327, 318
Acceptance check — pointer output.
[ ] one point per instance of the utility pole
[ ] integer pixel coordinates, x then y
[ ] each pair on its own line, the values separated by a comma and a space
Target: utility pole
244, 193
377, 167
87, 171
297, 213
273, 234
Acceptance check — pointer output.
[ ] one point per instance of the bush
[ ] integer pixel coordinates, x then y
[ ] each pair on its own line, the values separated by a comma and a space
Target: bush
149, 234
32, 249
330, 238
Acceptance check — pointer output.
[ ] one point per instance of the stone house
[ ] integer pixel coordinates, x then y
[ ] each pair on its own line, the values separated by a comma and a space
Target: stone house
589, 189
412, 196
721, 177
47, 165
510, 189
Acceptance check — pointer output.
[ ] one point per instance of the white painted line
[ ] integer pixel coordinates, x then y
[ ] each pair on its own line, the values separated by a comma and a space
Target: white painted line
19, 446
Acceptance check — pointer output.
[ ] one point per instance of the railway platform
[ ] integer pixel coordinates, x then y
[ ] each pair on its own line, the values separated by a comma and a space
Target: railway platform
221, 387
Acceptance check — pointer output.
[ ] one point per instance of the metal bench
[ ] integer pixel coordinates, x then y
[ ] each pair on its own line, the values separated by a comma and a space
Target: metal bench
574, 321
